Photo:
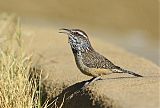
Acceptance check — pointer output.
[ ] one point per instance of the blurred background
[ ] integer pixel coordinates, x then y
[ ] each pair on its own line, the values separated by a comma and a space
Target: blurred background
131, 24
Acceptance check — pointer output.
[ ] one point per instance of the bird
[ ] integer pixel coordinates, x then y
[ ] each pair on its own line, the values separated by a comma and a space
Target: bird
89, 61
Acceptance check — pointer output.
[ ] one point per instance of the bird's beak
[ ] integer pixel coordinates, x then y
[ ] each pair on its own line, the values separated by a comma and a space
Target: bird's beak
64, 30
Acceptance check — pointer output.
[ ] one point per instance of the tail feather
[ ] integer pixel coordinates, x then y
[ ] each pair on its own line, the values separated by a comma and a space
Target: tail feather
120, 70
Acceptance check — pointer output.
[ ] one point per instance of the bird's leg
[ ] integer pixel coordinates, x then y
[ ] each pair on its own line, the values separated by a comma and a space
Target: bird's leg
95, 79
91, 81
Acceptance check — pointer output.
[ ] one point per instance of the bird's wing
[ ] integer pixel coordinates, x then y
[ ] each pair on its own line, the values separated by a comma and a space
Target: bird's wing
95, 60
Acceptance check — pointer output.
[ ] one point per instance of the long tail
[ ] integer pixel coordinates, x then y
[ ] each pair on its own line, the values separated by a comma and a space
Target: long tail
120, 70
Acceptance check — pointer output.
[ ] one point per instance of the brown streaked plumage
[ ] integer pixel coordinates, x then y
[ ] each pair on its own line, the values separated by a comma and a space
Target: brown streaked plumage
87, 59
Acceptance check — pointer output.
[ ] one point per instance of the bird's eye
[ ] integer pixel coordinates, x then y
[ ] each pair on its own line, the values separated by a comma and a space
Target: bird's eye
76, 33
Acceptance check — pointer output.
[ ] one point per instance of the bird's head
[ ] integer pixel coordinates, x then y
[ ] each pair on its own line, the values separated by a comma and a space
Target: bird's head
78, 39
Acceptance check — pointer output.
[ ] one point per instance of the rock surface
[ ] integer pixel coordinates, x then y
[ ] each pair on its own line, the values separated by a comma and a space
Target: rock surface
63, 80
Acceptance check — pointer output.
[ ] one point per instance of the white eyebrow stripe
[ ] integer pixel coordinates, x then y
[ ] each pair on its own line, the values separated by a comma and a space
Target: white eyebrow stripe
82, 34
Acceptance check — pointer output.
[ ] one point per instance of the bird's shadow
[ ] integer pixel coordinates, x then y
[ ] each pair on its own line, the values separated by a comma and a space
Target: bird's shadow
68, 96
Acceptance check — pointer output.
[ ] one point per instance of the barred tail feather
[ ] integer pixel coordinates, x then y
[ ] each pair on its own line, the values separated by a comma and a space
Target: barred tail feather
132, 73
120, 70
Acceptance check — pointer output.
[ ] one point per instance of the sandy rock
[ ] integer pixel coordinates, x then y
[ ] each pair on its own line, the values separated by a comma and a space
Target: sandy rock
63, 80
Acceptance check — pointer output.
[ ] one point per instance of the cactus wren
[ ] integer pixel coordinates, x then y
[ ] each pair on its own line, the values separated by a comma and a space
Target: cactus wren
89, 61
